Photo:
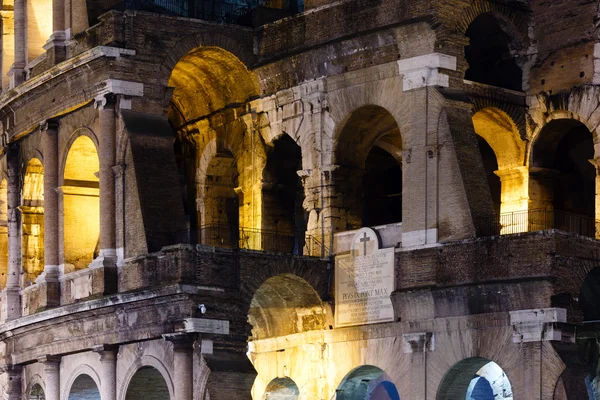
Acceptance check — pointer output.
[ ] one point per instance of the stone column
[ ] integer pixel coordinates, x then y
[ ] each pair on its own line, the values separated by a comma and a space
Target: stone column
183, 357
11, 296
20, 60
52, 372
418, 345
596, 163
107, 154
108, 371
51, 231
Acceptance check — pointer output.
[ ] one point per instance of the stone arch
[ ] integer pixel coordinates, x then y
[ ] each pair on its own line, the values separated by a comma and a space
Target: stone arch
243, 51
571, 384
475, 375
147, 382
560, 167
491, 54
369, 156
283, 305
511, 20
141, 362
32, 221
83, 131
82, 370
281, 389
35, 381
81, 203
365, 383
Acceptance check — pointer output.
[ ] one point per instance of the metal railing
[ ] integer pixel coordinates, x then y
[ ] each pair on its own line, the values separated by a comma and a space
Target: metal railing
228, 237
538, 220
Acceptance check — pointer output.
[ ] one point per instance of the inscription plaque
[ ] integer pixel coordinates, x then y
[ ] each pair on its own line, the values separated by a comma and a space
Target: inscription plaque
364, 281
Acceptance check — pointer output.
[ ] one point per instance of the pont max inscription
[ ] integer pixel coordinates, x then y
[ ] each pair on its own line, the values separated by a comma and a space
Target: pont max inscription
364, 281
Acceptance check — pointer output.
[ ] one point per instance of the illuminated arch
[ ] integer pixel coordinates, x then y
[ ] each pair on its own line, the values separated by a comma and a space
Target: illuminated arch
474, 377
81, 205
501, 133
367, 382
32, 211
283, 305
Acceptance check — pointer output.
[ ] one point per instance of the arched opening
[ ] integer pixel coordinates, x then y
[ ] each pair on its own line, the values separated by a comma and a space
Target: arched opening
219, 207
283, 216
564, 179
32, 221
36, 393
475, 378
84, 388
367, 382
81, 205
281, 389
39, 27
589, 297
147, 383
283, 305
211, 89
490, 164
370, 152
503, 154
3, 232
491, 54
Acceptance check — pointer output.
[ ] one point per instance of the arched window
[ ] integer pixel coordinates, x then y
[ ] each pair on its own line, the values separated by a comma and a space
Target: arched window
84, 388
32, 218
81, 205
491, 54
147, 383
370, 154
36, 393
283, 216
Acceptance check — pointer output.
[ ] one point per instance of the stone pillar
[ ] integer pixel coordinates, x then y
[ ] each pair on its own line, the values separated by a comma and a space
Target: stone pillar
11, 300
17, 71
13, 388
514, 198
51, 210
108, 371
52, 373
183, 372
107, 154
418, 345
596, 163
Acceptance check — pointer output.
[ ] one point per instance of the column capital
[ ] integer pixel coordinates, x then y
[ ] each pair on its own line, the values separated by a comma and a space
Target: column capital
180, 341
50, 361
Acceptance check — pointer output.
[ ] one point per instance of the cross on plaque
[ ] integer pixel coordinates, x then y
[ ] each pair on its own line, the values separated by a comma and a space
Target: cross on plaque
364, 241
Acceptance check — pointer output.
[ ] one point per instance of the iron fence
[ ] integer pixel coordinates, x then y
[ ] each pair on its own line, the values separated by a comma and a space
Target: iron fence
537, 220
229, 237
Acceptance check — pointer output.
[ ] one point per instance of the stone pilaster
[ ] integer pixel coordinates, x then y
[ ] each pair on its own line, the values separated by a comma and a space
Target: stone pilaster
418, 345
13, 388
11, 299
52, 376
107, 154
49, 277
183, 357
108, 371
